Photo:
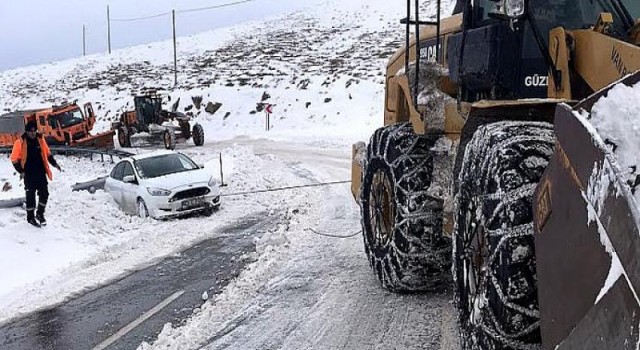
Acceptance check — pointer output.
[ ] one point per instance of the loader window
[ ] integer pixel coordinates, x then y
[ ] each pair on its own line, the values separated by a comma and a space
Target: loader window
148, 109
481, 11
581, 14
632, 7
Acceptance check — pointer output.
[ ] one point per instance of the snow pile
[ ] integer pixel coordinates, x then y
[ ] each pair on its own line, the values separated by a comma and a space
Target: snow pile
600, 180
615, 117
10, 184
23, 251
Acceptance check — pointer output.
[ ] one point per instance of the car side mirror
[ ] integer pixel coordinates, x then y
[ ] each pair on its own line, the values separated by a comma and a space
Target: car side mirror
201, 166
131, 179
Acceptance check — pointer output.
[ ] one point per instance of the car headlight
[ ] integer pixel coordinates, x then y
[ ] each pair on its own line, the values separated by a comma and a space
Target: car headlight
212, 181
154, 191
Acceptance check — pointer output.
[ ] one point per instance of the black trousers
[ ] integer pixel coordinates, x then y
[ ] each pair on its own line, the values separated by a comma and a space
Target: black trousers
43, 195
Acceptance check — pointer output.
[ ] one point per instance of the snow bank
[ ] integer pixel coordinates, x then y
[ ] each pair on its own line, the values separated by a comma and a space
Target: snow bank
10, 184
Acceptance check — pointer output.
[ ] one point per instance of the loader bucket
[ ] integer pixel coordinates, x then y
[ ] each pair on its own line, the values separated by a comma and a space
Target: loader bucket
587, 239
101, 140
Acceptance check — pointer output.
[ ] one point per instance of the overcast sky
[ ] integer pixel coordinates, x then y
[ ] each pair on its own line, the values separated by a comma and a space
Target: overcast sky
41, 31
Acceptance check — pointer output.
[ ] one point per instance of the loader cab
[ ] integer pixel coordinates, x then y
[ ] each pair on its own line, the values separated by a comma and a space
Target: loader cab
500, 57
493, 58
148, 109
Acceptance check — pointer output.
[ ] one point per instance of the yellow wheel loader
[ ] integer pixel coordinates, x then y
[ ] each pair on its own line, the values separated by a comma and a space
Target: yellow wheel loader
488, 167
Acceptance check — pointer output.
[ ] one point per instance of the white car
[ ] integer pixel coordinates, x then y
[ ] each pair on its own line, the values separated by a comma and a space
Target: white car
162, 184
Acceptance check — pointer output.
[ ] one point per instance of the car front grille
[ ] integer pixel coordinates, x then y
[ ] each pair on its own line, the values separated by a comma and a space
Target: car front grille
192, 192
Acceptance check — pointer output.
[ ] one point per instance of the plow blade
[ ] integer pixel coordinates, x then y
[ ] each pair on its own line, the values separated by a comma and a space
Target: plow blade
587, 240
101, 140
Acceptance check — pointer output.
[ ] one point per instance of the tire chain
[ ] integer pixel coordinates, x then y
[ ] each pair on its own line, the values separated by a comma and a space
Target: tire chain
497, 144
418, 227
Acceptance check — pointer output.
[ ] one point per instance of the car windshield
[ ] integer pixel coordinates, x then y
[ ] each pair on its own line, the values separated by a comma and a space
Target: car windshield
66, 119
164, 165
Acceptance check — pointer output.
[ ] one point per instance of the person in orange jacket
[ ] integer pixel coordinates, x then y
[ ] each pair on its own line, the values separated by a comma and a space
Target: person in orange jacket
31, 157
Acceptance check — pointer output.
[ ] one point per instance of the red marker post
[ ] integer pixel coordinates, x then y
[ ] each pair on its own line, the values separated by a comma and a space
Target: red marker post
268, 109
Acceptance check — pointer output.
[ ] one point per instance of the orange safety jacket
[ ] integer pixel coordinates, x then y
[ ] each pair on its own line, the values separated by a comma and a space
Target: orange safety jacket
19, 153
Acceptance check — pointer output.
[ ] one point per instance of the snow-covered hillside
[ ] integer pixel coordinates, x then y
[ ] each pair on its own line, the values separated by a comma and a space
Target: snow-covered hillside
323, 70
320, 67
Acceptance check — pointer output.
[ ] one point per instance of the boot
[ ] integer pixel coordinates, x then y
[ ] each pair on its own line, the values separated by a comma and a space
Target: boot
31, 219
40, 216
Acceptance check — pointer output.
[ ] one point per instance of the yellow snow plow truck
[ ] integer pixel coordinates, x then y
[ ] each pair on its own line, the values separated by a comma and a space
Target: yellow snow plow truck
489, 166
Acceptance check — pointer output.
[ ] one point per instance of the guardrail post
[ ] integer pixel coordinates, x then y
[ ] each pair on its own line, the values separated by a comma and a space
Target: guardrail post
221, 173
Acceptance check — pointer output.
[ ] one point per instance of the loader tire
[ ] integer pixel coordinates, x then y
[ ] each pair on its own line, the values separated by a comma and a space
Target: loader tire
401, 225
198, 135
169, 139
185, 129
494, 257
124, 138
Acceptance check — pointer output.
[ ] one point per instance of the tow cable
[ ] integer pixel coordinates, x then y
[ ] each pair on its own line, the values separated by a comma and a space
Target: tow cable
296, 187
333, 236
284, 188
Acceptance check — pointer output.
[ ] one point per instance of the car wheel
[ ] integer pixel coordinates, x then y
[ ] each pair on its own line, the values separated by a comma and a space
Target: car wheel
143, 213
210, 210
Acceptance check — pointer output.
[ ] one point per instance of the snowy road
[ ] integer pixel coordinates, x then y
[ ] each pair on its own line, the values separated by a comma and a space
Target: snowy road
319, 293
110, 317
302, 290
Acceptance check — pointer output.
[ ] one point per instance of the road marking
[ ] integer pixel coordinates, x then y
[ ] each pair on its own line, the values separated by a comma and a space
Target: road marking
126, 329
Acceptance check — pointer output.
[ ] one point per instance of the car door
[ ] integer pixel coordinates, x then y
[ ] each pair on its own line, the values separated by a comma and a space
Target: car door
129, 189
113, 185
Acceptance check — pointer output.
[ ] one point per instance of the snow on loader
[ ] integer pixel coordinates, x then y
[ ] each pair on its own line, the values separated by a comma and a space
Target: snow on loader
64, 124
149, 117
488, 166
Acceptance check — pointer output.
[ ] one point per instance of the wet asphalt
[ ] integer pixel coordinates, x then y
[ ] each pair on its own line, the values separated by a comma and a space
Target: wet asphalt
89, 320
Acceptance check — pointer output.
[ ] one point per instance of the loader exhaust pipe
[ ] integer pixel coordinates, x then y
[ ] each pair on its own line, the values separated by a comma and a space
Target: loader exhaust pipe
417, 22
406, 37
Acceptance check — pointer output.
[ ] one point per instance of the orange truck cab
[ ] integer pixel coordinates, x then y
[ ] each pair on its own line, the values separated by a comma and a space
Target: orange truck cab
66, 124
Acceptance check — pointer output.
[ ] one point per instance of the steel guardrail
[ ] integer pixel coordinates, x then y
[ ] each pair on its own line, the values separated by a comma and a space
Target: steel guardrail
90, 152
